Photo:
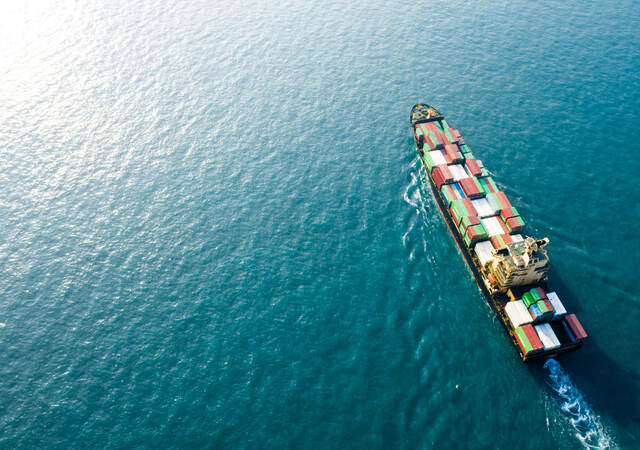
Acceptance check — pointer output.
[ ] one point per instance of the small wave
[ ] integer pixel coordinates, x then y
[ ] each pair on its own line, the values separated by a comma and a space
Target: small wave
589, 430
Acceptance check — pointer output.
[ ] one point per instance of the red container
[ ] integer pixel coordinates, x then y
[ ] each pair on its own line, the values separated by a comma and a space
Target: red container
473, 167
514, 224
427, 140
533, 337
469, 188
448, 177
451, 153
455, 133
574, 325
503, 199
524, 351
438, 177
438, 134
505, 230
543, 294
469, 206
497, 244
471, 234
547, 303
507, 213
473, 220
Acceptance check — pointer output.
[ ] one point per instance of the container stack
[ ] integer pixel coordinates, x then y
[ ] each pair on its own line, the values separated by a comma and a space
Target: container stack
441, 175
452, 154
518, 313
574, 328
558, 307
462, 208
528, 340
488, 185
451, 192
547, 336
471, 187
498, 201
482, 207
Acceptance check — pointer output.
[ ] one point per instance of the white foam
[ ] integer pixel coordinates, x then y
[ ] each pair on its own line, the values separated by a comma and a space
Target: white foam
589, 430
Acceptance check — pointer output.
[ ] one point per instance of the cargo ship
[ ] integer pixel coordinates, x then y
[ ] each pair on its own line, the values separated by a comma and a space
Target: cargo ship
509, 267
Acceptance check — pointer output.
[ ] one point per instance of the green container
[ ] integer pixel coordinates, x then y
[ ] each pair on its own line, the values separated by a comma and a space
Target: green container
542, 307
520, 221
459, 210
428, 161
487, 183
446, 193
481, 232
485, 172
461, 228
494, 202
465, 148
535, 294
444, 123
432, 139
448, 135
528, 348
528, 299
466, 222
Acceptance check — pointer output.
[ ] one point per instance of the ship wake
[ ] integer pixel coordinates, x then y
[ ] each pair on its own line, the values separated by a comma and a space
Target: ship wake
588, 428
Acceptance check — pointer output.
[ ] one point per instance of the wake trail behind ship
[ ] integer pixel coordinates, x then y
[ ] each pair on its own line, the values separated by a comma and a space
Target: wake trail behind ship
586, 423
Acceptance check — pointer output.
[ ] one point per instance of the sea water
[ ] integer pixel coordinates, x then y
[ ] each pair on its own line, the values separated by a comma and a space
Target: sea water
214, 231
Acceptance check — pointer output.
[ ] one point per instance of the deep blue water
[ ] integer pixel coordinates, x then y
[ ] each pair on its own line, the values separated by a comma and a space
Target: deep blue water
215, 233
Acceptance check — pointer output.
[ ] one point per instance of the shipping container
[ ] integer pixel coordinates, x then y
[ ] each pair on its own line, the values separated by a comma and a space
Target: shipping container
482, 207
517, 313
470, 188
452, 155
438, 157
515, 224
493, 226
536, 314
484, 252
558, 307
528, 299
458, 172
473, 167
574, 325
501, 241
449, 193
547, 336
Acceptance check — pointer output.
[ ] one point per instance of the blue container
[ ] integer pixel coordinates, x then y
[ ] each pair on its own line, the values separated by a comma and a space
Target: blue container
535, 312
458, 189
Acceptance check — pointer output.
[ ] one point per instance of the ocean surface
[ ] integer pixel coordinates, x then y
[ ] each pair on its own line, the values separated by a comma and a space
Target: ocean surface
214, 231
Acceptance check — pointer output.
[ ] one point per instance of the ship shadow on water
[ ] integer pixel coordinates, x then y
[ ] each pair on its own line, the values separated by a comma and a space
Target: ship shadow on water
611, 389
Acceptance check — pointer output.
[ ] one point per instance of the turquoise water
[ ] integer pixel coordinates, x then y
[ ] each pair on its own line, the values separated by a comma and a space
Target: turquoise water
214, 231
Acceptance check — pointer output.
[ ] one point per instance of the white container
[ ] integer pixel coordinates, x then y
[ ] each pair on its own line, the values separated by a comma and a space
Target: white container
517, 238
558, 307
492, 226
438, 157
479, 163
482, 207
484, 250
518, 313
547, 336
458, 172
